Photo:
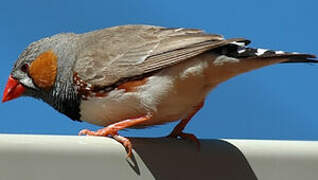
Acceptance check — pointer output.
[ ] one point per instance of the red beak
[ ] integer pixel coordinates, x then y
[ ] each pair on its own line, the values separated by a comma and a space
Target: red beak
13, 89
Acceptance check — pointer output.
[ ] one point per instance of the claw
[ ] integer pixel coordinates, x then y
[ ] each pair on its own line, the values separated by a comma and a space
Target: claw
186, 136
126, 143
84, 132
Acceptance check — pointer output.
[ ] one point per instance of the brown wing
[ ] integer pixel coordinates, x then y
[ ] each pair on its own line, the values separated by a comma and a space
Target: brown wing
121, 52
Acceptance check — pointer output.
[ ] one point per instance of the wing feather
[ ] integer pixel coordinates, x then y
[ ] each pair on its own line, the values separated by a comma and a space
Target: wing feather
121, 52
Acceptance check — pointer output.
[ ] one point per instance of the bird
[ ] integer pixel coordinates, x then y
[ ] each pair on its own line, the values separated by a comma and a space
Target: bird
134, 76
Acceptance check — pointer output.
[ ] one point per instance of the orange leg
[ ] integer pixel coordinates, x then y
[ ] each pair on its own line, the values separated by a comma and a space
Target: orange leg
177, 131
112, 130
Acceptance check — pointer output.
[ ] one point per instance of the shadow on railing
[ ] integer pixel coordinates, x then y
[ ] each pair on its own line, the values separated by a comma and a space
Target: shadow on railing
178, 159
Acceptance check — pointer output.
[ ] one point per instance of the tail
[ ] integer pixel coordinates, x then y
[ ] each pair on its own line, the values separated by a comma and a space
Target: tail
237, 59
239, 49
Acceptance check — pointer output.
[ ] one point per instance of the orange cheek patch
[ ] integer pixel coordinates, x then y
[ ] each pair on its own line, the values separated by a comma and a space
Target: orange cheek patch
132, 86
43, 70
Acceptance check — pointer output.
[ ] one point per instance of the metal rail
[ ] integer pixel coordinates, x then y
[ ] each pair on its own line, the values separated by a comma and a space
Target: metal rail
39, 157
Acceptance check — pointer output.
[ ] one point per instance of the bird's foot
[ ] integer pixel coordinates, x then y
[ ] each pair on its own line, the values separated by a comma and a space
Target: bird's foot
186, 136
112, 132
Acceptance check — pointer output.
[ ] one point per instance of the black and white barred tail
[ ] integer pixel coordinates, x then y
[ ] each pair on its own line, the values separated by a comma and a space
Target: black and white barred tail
239, 49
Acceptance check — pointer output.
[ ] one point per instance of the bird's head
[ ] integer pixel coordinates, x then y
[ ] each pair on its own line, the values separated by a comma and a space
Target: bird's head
39, 67
35, 70
44, 71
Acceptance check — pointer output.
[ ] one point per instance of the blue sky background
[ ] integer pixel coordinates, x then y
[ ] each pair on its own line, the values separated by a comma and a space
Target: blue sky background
276, 102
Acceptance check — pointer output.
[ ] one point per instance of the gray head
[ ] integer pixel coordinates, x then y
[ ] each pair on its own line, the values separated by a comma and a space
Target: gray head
44, 71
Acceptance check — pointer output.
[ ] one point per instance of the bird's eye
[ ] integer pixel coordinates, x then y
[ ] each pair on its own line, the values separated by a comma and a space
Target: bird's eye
25, 68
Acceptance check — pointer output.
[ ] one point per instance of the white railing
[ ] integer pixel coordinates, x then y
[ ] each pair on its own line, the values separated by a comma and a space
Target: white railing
43, 157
